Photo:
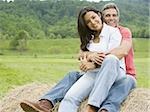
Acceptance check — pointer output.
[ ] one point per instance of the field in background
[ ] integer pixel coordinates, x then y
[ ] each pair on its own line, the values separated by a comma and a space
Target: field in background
47, 61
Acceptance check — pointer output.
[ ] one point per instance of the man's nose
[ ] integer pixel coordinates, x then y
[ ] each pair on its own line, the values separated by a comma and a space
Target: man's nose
111, 17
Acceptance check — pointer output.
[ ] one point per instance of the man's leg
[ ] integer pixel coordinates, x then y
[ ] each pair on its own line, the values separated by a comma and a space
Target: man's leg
56, 94
117, 94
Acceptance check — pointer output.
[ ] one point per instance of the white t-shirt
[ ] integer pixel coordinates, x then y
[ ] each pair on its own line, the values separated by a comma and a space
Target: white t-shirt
110, 38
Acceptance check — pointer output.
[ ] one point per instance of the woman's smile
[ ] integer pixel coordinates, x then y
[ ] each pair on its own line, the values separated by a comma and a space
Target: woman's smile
93, 21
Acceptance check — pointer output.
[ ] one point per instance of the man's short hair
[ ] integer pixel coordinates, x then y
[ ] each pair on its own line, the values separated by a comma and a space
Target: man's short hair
111, 6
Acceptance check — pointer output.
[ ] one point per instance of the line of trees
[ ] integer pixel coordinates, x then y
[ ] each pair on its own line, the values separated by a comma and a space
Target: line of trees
57, 18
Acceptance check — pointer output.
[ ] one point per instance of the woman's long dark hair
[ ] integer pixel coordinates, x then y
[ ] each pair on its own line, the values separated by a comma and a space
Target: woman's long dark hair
84, 32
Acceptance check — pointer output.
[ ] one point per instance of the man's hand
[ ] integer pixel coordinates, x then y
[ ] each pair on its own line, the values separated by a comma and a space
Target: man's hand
96, 57
85, 65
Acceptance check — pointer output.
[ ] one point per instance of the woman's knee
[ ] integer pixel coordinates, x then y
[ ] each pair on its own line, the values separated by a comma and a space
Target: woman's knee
71, 99
111, 59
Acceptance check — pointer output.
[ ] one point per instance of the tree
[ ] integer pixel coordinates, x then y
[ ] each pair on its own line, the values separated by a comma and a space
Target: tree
40, 18
20, 41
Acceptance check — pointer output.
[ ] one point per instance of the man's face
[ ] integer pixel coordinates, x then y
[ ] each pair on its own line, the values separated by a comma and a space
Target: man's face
110, 17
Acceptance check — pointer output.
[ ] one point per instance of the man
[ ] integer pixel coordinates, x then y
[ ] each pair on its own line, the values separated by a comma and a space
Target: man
118, 92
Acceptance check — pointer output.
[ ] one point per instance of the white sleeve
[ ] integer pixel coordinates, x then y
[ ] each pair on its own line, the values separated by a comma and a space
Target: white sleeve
114, 39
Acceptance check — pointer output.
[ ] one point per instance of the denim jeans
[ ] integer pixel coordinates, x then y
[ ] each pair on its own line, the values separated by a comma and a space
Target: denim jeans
57, 93
118, 92
95, 84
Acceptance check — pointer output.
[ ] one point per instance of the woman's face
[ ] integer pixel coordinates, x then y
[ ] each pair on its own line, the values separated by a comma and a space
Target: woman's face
93, 21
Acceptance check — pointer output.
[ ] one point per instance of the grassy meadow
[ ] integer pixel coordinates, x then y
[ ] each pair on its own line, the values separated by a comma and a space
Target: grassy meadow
47, 61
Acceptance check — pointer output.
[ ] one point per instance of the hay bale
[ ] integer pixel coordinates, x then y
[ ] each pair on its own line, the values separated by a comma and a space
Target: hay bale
10, 103
138, 100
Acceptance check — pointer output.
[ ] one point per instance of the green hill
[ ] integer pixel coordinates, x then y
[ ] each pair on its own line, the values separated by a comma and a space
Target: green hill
57, 18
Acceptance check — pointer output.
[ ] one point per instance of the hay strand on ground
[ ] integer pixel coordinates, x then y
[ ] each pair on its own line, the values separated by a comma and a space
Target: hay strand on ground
138, 100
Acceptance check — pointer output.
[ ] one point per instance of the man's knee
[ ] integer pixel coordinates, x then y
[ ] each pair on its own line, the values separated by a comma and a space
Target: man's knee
74, 75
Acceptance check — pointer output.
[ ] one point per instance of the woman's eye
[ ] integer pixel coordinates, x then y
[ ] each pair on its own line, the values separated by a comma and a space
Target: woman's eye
93, 17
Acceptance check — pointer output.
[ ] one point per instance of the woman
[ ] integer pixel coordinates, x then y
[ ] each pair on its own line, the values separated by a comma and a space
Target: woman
95, 36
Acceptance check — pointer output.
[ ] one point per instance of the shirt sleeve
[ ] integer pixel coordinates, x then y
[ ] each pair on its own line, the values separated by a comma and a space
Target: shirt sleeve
126, 33
114, 39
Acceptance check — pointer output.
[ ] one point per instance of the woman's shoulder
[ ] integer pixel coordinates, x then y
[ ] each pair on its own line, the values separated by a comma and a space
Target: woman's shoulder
110, 28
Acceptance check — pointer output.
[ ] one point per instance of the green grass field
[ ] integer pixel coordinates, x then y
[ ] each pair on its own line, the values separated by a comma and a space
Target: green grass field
47, 61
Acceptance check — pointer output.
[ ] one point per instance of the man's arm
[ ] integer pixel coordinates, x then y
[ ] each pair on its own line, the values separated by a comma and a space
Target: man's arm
123, 49
125, 45
120, 51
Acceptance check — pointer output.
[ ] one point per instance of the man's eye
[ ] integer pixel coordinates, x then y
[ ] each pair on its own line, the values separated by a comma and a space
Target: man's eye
114, 15
107, 15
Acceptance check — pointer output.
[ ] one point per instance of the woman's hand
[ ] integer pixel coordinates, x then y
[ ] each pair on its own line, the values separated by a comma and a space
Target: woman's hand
85, 65
96, 57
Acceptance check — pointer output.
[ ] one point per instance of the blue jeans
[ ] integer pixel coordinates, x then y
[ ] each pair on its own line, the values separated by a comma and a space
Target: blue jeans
95, 84
118, 92
57, 93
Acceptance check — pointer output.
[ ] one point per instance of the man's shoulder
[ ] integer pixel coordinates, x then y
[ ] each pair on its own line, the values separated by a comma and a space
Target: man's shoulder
125, 32
124, 29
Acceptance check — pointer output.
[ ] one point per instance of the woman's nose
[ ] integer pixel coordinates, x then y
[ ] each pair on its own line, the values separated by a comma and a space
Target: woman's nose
92, 21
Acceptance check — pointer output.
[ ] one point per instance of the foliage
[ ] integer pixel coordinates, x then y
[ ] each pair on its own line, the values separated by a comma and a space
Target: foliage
134, 14
20, 41
57, 18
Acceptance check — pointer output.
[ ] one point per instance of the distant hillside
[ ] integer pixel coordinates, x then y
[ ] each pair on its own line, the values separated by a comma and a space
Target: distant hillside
57, 18
135, 14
